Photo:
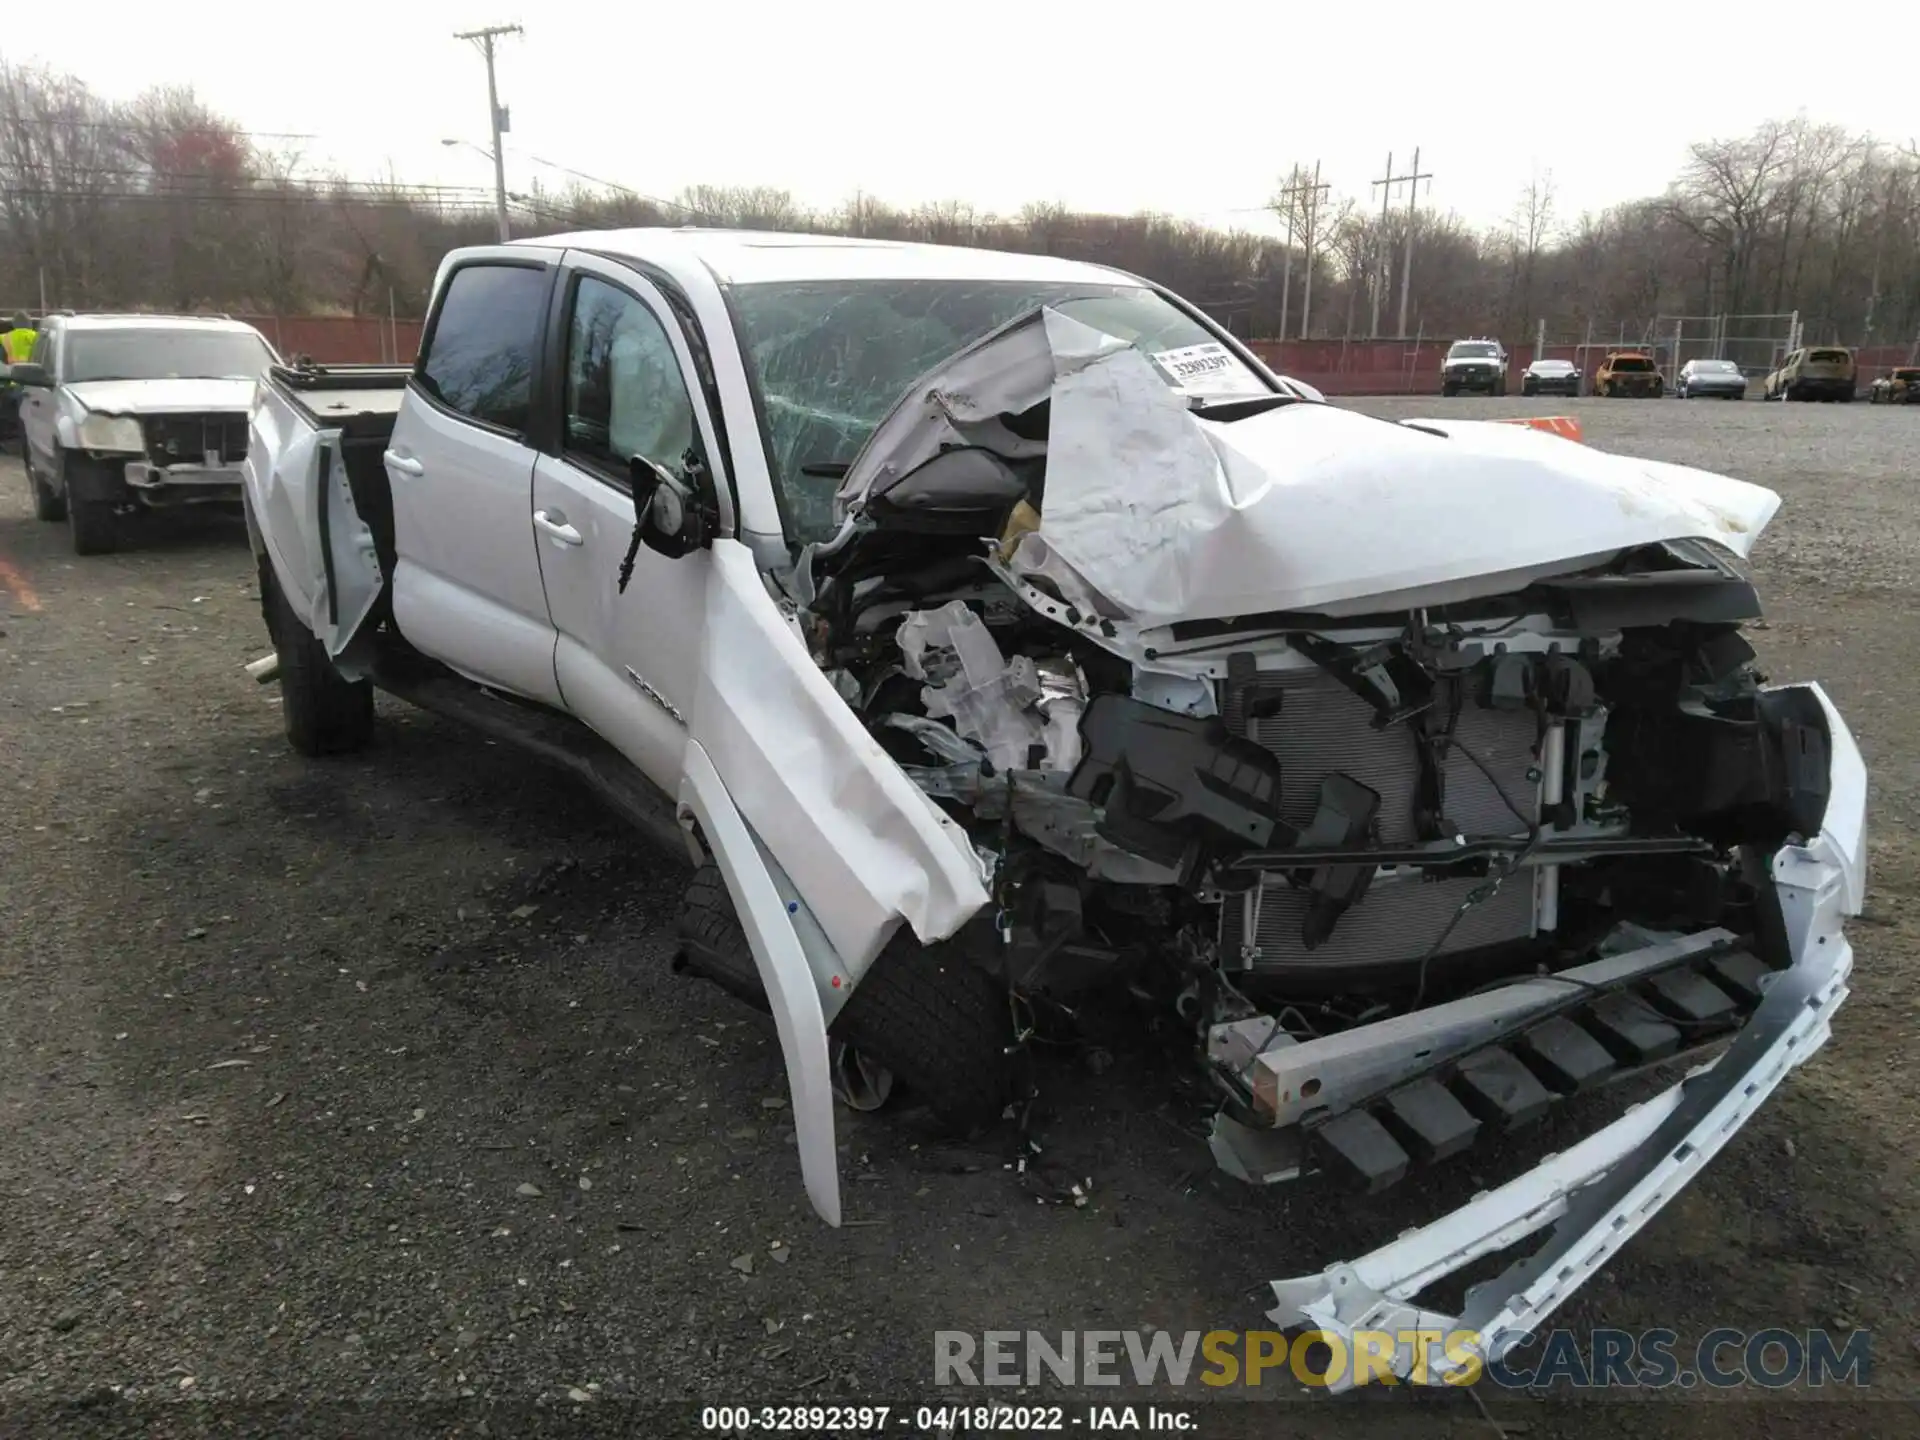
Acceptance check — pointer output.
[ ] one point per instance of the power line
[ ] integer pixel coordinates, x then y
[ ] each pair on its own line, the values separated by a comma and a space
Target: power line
476, 201
57, 122
623, 189
251, 184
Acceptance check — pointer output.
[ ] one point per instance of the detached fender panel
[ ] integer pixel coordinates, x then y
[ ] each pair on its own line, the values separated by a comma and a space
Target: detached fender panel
861, 843
784, 973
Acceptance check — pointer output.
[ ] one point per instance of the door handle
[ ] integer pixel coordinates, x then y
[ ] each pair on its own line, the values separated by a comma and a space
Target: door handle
405, 464
555, 524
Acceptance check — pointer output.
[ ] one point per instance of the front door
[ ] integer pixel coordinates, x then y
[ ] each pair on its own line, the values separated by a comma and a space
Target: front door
627, 660
38, 411
466, 581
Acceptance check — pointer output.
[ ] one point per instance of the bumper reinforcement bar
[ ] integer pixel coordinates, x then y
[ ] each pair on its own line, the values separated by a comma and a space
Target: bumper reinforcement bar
1601, 1192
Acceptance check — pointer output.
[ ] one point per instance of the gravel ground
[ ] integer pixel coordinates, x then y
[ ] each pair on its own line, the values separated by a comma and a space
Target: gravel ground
359, 1096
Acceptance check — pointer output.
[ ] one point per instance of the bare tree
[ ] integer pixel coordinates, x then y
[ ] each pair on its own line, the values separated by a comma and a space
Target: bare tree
1528, 229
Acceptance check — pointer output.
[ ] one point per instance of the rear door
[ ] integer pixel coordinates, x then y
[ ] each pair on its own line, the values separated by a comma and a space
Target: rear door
466, 582
627, 660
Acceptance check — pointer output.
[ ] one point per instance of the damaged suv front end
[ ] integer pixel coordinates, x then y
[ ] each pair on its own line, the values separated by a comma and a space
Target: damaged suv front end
1418, 775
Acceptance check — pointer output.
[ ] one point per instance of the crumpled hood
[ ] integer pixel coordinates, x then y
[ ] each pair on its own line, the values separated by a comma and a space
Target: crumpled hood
163, 397
1155, 514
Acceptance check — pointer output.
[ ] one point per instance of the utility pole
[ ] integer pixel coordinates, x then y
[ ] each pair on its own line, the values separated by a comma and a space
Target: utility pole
1385, 187
1406, 268
1290, 197
497, 116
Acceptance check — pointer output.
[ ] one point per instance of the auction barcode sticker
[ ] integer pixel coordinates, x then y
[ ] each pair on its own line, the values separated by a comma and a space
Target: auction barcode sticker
1208, 369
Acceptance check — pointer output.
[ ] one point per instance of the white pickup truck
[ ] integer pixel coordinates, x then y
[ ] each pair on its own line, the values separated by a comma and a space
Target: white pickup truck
999, 638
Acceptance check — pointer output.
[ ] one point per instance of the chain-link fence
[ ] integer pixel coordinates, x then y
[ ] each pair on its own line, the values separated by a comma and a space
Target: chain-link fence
1756, 343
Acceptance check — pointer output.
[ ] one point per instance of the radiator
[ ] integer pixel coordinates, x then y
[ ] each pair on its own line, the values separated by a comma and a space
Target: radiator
1320, 727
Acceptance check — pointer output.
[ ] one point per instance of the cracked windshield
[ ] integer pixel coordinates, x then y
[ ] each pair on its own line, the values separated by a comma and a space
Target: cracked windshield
831, 358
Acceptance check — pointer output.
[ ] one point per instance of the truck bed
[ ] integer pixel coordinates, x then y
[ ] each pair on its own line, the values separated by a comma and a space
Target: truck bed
361, 401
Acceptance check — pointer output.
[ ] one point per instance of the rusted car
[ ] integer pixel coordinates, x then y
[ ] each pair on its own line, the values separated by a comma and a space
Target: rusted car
1822, 373
1629, 372
1896, 387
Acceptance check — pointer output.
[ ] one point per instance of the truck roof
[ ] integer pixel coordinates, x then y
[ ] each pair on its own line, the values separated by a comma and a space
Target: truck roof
749, 256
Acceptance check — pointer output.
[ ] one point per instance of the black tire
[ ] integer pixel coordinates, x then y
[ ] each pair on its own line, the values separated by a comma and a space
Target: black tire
938, 1022
1449, 391
93, 525
325, 713
47, 503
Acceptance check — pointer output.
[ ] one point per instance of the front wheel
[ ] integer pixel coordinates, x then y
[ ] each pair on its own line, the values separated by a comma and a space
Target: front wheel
325, 713
94, 527
922, 1015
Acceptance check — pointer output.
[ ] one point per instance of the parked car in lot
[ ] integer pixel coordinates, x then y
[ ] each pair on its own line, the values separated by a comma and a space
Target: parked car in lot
1701, 378
1821, 373
1550, 377
1631, 373
1040, 662
124, 411
1478, 364
1900, 386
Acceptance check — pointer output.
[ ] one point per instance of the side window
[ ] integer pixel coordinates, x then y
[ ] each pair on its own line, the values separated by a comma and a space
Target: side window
625, 393
480, 360
43, 352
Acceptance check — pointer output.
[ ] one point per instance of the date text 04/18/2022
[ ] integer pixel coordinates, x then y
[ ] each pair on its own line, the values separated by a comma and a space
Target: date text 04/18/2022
944, 1419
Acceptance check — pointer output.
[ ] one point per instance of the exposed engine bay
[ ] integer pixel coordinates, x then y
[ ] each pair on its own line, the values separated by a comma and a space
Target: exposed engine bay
1527, 823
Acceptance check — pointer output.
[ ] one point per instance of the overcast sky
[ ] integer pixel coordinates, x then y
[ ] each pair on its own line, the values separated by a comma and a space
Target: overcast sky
1192, 109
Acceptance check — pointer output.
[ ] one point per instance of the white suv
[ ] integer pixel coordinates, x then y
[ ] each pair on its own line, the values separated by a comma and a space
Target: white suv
123, 411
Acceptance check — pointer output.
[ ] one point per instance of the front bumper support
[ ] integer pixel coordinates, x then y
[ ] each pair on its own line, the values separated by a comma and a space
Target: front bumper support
1601, 1192
164, 485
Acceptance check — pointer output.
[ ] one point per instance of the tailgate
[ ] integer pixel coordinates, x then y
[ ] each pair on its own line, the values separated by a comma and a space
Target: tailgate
322, 551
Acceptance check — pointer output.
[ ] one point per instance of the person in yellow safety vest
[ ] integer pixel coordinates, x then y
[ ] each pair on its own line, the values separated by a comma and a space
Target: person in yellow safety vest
19, 340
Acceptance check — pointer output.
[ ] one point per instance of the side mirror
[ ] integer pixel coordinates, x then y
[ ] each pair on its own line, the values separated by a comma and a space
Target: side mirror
28, 374
670, 514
